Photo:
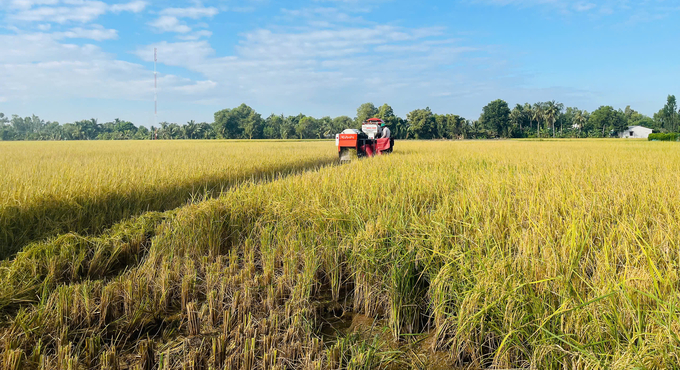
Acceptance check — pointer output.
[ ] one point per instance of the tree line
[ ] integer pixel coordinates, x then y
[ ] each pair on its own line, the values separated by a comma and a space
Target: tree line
542, 119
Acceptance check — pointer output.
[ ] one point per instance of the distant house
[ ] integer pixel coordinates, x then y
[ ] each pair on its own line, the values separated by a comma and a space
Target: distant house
635, 132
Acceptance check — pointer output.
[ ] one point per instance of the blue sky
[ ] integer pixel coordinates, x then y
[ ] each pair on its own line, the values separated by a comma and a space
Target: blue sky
67, 60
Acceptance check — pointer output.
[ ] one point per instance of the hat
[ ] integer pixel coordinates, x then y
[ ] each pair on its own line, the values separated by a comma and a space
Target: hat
383, 124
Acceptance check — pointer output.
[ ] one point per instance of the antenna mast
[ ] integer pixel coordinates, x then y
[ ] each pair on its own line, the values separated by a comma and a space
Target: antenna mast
155, 88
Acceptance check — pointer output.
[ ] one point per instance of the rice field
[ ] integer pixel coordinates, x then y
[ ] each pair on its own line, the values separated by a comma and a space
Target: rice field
52, 188
442, 255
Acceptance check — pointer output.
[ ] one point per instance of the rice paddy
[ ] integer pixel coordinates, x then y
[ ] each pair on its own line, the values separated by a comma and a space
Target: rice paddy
52, 188
463, 255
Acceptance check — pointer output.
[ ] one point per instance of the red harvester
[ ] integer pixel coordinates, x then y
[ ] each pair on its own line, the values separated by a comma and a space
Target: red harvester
366, 142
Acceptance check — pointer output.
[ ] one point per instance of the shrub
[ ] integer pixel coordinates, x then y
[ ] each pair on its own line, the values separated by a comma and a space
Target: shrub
663, 137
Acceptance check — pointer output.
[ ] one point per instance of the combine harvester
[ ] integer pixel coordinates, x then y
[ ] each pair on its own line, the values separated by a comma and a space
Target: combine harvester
366, 143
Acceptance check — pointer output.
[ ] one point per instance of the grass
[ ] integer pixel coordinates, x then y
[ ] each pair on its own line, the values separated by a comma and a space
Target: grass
52, 188
496, 254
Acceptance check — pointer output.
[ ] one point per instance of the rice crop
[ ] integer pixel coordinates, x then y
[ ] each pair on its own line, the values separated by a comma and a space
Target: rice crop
50, 188
475, 255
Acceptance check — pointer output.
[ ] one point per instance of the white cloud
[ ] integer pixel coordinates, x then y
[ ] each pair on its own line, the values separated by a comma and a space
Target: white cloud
82, 11
284, 69
198, 87
37, 66
326, 43
177, 53
134, 7
97, 33
27, 4
169, 21
169, 24
195, 35
193, 12
650, 9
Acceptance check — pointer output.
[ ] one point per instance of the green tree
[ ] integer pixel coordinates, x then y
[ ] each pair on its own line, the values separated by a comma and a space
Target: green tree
496, 117
206, 131
240, 122
272, 126
537, 115
6, 131
325, 128
307, 128
606, 118
398, 127
123, 126
340, 123
551, 111
668, 115
420, 123
385, 112
142, 133
289, 124
396, 124
364, 112
250, 122
449, 126
519, 117
579, 119
86, 129
634, 118
189, 130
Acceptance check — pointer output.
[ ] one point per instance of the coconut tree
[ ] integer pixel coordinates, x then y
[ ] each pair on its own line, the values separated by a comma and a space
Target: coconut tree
537, 115
579, 119
517, 116
551, 111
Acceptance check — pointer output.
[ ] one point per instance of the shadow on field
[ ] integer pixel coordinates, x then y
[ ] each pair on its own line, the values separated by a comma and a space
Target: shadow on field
89, 215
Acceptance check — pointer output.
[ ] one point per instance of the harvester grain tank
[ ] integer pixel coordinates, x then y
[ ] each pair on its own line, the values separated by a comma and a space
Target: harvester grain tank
365, 142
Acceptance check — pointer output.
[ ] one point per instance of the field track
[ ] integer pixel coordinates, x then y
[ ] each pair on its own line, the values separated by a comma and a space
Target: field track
476, 255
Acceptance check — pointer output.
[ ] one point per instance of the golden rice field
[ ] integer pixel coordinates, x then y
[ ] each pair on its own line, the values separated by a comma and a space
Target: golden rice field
442, 255
50, 188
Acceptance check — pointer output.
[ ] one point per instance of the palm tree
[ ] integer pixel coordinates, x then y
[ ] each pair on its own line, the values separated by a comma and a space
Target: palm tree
190, 130
537, 114
579, 119
552, 110
517, 116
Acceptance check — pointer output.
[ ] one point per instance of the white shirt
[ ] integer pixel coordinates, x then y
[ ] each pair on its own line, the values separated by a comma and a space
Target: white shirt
385, 133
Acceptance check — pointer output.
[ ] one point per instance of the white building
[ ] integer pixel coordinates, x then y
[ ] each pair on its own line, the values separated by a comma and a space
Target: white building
635, 132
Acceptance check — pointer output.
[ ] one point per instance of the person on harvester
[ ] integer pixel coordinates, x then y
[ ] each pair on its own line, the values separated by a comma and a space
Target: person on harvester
386, 134
385, 131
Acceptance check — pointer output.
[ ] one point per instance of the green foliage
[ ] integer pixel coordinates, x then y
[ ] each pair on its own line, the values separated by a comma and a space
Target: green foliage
607, 119
307, 128
663, 137
552, 112
242, 122
364, 112
496, 118
669, 117
272, 126
340, 123
542, 119
421, 124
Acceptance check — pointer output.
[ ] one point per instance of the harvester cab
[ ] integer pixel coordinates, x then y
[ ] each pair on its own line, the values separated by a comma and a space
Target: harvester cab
365, 143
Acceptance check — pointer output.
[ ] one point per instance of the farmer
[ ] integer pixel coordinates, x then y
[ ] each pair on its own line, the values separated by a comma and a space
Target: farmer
385, 131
